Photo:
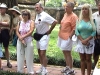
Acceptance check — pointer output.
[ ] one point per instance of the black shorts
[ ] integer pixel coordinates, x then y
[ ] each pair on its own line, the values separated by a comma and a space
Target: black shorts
4, 37
96, 49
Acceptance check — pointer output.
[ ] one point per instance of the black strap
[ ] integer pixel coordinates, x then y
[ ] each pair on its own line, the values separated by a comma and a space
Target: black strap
96, 29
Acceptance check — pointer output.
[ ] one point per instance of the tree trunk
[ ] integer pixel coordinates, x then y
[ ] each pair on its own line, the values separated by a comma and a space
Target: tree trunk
97, 1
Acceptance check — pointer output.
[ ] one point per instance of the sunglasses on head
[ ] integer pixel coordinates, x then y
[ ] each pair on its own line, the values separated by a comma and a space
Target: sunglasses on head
84, 8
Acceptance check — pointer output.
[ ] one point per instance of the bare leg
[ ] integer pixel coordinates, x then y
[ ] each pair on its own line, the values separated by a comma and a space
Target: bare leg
68, 58
43, 57
0, 63
7, 54
89, 63
7, 57
83, 64
40, 58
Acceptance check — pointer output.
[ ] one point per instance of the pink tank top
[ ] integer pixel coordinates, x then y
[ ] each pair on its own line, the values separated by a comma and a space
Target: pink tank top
25, 28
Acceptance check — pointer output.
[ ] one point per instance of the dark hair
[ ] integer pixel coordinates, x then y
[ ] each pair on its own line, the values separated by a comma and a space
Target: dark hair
27, 12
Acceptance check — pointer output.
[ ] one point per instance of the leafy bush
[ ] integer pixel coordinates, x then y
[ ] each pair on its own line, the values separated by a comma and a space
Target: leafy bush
54, 3
11, 73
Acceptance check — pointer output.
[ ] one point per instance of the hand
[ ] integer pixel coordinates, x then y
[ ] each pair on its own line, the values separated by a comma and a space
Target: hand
21, 38
85, 42
23, 42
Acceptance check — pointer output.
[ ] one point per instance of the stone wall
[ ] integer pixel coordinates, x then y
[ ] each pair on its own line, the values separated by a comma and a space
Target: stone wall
57, 13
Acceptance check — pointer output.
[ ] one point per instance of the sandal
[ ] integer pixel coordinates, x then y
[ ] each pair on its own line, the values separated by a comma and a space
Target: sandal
9, 65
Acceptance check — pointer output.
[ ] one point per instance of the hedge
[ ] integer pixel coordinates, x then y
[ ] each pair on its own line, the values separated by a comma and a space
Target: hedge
11, 73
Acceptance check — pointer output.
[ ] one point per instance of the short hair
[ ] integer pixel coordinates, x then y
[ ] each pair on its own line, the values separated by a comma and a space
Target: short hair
71, 4
40, 5
28, 12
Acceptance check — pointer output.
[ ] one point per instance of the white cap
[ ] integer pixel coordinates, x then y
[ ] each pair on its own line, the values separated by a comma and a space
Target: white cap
3, 5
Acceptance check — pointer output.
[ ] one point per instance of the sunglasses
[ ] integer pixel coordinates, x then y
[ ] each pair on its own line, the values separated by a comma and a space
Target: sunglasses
25, 14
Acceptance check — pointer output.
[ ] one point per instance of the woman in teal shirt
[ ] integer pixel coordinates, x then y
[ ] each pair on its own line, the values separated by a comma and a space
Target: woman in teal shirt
85, 31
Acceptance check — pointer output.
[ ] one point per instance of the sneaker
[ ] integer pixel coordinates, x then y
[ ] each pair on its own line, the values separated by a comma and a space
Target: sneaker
9, 65
65, 69
44, 71
40, 70
70, 72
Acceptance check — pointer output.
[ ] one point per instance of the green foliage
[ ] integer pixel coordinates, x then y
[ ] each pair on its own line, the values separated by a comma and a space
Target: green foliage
58, 3
54, 3
91, 2
11, 73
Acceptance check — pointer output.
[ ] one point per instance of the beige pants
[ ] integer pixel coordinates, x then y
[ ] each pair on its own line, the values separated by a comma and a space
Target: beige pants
22, 53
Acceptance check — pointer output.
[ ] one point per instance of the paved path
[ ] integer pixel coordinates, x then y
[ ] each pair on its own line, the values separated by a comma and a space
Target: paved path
52, 70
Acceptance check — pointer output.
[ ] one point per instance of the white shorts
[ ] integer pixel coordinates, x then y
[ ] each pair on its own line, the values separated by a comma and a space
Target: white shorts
43, 43
65, 44
85, 49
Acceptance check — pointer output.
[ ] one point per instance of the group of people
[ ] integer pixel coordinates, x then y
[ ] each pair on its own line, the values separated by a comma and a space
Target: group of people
86, 27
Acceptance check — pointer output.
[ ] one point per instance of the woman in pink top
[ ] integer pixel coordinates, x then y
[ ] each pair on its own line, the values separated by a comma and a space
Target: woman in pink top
24, 43
66, 32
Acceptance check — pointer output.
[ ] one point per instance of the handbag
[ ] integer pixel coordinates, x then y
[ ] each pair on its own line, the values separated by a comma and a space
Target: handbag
37, 36
75, 41
74, 38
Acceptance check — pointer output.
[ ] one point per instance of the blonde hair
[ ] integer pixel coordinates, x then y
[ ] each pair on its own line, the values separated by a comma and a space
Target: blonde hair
90, 15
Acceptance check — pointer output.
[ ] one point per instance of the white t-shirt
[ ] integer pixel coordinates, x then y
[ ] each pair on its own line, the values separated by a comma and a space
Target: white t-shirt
96, 16
42, 22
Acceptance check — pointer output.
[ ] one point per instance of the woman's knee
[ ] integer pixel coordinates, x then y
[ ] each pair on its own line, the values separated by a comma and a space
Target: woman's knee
88, 59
